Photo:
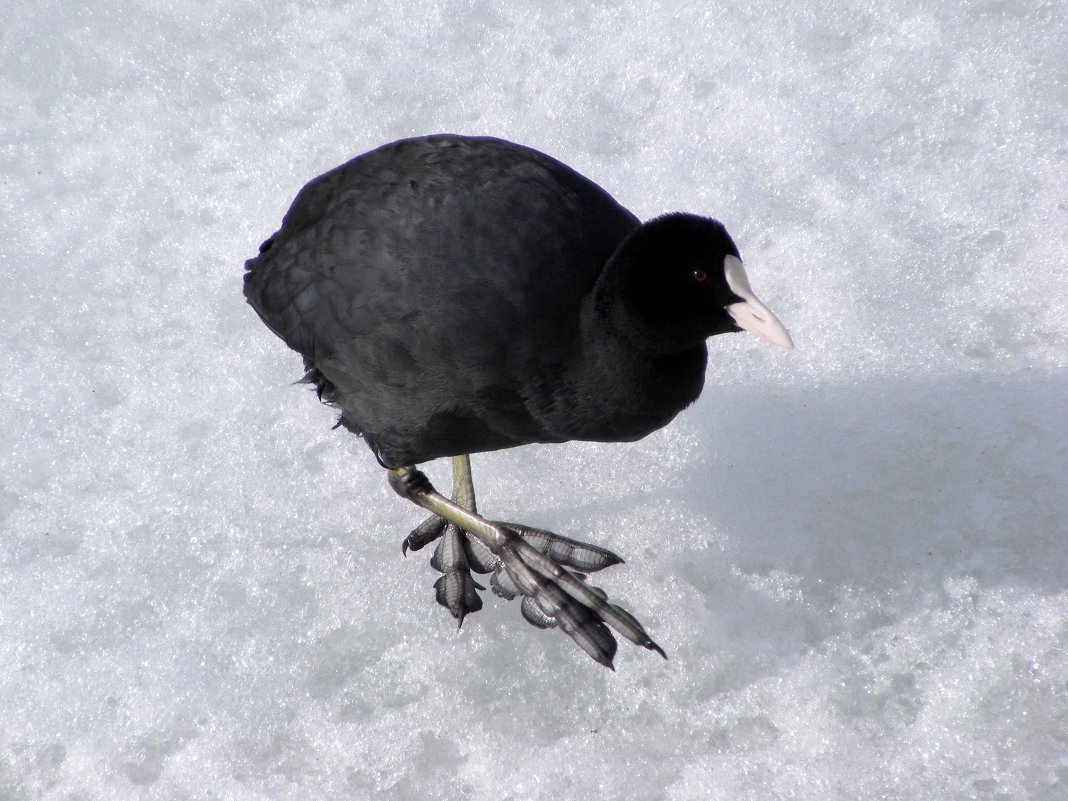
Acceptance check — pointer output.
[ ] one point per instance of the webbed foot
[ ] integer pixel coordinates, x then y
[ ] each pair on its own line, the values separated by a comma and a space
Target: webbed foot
546, 569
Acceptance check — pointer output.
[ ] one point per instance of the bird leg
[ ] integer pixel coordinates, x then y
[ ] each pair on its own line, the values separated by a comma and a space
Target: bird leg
463, 494
530, 562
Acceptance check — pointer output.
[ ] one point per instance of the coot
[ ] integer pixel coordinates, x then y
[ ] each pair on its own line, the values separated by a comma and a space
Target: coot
453, 295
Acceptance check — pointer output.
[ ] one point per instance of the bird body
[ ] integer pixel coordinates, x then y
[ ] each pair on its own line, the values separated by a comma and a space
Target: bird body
442, 290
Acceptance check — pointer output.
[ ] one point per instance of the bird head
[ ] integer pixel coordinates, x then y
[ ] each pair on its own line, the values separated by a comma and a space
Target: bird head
682, 280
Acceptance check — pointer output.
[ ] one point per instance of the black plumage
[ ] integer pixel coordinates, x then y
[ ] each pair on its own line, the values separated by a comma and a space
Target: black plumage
452, 295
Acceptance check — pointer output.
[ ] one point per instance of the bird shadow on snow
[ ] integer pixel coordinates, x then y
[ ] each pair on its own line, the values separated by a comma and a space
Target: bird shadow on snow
890, 480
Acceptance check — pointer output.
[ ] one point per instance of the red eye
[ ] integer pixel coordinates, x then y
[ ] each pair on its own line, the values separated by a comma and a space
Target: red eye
699, 276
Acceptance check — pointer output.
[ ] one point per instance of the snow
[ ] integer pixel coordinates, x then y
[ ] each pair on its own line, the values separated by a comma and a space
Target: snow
855, 554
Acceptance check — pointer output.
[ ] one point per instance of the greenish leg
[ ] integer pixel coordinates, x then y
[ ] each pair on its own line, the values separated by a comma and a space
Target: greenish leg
533, 561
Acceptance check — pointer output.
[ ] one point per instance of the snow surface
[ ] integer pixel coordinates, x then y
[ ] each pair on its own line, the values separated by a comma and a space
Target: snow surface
855, 554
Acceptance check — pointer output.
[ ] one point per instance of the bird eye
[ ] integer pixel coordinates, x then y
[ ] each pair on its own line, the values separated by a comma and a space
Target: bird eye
699, 276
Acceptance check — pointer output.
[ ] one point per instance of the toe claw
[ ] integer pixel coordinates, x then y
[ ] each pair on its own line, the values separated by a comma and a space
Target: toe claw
424, 534
594, 638
630, 628
457, 593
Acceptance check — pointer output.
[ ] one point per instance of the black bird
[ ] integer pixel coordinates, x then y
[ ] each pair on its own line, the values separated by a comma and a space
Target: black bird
453, 295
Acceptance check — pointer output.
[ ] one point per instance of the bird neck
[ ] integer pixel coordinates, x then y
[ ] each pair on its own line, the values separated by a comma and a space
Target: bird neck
619, 351
612, 312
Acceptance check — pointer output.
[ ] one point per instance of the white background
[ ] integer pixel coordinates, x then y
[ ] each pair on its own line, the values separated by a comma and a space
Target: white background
855, 554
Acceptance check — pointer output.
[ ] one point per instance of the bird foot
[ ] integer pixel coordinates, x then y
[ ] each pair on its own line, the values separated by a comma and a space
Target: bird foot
546, 569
